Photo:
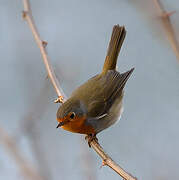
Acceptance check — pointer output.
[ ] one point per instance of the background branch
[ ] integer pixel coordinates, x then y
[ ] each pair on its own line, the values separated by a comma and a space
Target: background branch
28, 171
27, 14
29, 128
169, 29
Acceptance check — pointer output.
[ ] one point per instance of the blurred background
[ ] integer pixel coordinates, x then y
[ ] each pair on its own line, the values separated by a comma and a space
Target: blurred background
144, 142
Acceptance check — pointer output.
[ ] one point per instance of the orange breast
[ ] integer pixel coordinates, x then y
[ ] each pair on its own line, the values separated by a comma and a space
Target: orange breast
78, 126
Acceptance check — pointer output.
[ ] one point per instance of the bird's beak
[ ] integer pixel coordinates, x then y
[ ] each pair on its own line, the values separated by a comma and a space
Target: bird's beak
58, 125
62, 122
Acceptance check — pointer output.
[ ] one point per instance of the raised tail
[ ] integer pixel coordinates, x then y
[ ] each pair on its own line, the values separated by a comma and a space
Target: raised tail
117, 38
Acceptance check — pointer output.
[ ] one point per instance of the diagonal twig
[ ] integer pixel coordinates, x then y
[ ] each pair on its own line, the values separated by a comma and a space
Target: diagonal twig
168, 26
107, 161
31, 131
27, 14
28, 171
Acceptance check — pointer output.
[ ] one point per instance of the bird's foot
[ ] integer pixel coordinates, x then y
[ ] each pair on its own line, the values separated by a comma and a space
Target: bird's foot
90, 138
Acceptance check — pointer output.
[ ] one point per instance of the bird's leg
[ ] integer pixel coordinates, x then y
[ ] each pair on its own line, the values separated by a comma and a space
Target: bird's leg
91, 137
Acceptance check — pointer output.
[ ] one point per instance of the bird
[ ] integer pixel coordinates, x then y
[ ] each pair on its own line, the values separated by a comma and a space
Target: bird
97, 104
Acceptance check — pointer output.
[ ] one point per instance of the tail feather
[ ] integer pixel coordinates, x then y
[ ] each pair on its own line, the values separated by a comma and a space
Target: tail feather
117, 38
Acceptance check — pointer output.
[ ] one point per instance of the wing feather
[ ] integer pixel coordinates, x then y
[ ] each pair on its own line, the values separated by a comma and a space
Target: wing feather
102, 91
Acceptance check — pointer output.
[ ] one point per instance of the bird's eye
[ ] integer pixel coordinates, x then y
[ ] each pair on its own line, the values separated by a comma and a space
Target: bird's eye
72, 115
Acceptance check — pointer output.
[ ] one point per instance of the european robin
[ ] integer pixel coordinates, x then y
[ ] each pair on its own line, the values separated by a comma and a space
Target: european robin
97, 104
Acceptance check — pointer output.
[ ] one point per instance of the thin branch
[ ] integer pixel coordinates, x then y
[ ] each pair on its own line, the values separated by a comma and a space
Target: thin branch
169, 29
28, 171
107, 161
27, 14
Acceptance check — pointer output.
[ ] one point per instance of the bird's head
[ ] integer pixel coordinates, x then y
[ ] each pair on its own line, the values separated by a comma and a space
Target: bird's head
69, 112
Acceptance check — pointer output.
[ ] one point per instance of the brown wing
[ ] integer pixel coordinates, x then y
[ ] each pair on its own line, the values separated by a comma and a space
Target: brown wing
99, 93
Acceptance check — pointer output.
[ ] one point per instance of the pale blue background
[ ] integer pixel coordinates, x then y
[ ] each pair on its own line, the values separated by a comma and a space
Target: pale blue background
145, 142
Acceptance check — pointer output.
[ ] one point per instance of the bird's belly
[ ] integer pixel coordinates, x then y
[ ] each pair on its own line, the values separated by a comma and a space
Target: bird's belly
112, 117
